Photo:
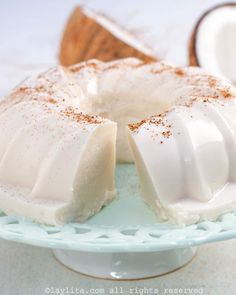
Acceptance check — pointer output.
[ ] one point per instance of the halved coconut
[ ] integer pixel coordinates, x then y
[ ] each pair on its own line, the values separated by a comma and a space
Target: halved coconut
213, 42
89, 35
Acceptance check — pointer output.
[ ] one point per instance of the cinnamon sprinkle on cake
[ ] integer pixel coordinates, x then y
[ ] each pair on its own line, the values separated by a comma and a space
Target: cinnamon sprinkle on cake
52, 100
135, 126
158, 120
81, 117
179, 72
78, 68
226, 93
212, 81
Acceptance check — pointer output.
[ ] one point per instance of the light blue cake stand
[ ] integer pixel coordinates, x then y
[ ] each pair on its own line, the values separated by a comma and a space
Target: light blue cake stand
125, 240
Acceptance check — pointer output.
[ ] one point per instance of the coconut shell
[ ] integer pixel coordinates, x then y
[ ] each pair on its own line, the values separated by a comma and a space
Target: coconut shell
85, 39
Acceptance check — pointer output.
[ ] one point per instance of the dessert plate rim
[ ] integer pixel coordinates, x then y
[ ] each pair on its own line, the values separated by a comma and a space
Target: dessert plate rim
92, 238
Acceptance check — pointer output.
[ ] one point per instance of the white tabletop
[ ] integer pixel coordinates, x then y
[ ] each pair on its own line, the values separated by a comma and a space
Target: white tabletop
30, 32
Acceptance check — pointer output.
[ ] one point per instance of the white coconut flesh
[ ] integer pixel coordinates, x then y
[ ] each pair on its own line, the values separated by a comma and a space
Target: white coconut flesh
216, 42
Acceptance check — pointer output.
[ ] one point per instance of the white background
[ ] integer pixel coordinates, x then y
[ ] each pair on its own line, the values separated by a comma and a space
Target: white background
30, 33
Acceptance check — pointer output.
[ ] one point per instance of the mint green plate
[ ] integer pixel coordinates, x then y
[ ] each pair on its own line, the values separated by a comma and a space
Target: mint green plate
125, 226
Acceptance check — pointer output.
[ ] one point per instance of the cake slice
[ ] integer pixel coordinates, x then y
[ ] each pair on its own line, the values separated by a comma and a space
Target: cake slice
56, 163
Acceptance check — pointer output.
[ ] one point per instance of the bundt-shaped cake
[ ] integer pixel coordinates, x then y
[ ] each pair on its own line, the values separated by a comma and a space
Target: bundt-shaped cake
58, 140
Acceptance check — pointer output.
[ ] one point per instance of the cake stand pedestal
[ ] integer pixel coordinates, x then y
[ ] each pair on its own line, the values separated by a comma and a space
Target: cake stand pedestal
124, 266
